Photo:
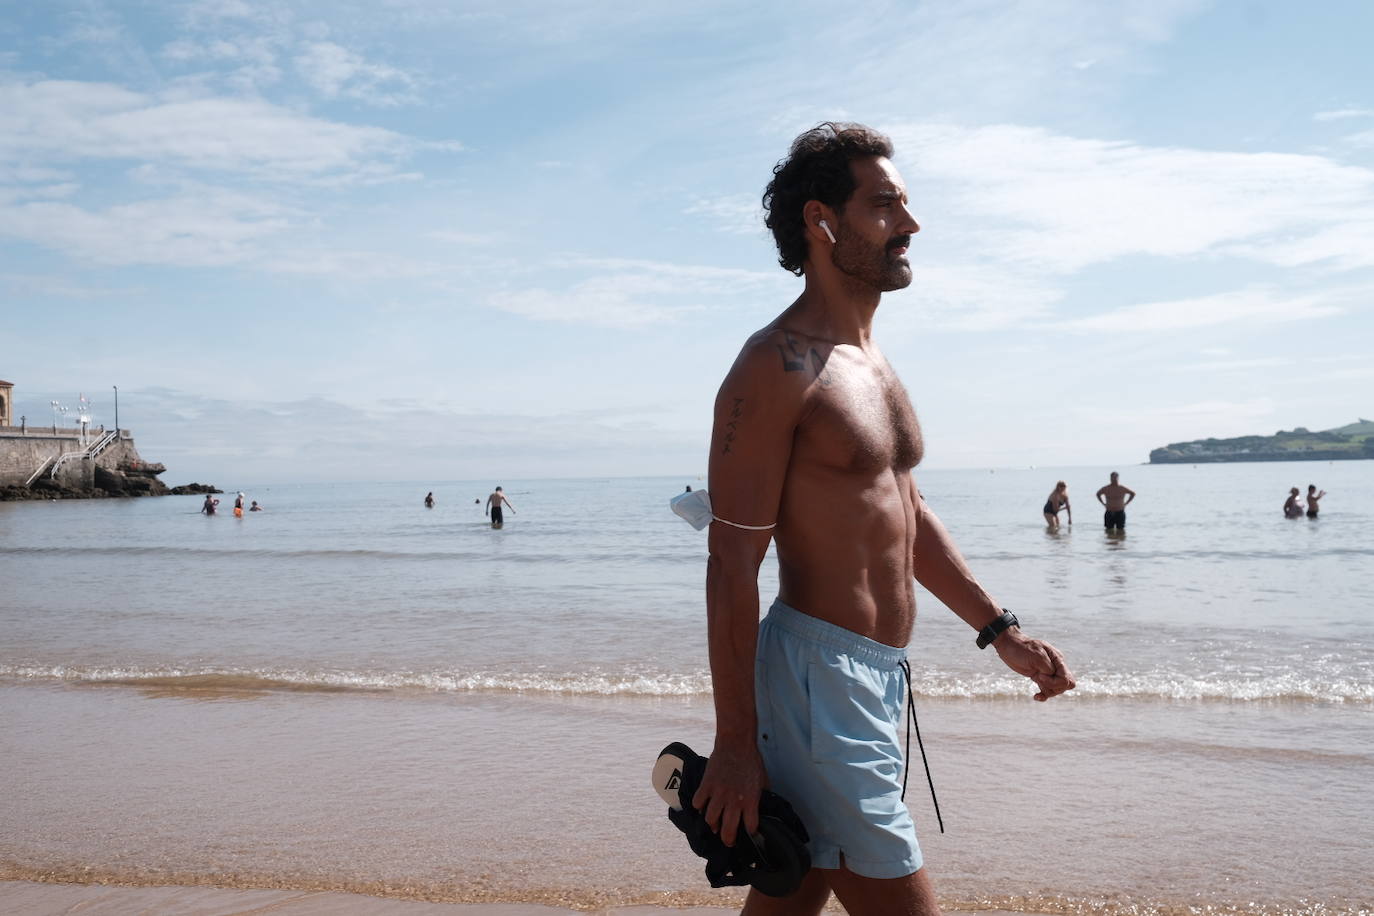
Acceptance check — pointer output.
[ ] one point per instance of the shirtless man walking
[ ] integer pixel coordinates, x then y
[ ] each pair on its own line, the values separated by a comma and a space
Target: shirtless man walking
1116, 498
813, 447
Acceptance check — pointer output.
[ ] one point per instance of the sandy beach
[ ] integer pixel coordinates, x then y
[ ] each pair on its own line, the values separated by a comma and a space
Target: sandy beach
29, 898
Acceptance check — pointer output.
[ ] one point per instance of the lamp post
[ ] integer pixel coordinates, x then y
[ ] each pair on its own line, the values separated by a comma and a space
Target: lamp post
116, 388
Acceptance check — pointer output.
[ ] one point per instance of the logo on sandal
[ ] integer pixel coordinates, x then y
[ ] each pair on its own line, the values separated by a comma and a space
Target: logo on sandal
674, 781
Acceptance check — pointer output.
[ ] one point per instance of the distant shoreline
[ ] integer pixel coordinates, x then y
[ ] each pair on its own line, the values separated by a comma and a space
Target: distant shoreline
1346, 443
1252, 458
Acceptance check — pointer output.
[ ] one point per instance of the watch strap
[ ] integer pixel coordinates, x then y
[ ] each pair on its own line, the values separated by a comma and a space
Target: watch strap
989, 633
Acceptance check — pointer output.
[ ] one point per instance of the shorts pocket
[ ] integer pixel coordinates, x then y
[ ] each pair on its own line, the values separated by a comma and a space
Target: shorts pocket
851, 720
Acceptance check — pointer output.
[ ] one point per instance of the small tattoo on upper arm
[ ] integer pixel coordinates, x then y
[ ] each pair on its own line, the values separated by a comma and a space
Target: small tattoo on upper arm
732, 425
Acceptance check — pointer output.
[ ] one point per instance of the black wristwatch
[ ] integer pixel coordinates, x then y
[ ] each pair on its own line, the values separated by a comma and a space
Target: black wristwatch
996, 628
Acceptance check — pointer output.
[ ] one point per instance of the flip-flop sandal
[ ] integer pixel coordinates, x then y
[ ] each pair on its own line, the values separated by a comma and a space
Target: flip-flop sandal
774, 860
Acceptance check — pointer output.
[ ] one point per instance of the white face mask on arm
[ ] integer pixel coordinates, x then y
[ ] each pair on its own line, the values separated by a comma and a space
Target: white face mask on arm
695, 508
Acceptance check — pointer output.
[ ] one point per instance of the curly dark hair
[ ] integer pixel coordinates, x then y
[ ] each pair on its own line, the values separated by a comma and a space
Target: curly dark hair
816, 168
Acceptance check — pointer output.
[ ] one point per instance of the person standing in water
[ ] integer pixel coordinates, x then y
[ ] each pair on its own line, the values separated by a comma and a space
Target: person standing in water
1115, 498
1058, 501
429, 500
1312, 498
1292, 506
208, 507
494, 503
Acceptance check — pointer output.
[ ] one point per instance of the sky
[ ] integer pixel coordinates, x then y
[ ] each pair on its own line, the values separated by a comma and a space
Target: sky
421, 240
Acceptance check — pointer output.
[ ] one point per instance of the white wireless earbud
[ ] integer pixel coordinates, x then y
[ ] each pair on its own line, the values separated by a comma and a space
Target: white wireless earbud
825, 227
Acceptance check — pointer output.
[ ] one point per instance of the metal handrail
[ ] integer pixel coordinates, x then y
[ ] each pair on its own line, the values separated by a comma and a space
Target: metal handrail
103, 444
38, 473
89, 452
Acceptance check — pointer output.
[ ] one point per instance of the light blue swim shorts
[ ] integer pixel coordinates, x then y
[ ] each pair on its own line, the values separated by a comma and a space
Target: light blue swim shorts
829, 703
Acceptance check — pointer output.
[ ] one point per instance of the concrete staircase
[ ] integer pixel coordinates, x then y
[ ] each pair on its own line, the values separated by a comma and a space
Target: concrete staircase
88, 453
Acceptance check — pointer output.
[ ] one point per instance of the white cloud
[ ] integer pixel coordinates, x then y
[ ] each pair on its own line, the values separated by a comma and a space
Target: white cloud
969, 297
464, 238
335, 71
351, 264
41, 286
1346, 245
632, 294
736, 214
1349, 375
1364, 139
1066, 203
38, 191
1342, 114
256, 57
205, 227
1252, 306
63, 121
1234, 365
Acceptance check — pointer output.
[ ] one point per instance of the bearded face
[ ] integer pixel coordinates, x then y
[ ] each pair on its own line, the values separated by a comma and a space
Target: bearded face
879, 264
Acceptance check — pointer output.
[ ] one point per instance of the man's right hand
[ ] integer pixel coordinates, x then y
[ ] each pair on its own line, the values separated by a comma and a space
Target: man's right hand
730, 790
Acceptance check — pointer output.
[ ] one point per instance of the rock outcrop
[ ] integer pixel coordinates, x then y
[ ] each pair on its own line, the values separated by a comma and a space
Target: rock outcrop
134, 479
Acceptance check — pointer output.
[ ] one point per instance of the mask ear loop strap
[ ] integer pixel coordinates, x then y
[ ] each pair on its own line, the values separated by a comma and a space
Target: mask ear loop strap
910, 721
745, 527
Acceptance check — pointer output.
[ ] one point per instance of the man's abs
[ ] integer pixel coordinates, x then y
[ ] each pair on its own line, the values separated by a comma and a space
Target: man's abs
844, 547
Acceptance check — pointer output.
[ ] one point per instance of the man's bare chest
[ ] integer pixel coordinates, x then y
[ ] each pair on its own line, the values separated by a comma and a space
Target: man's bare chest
861, 420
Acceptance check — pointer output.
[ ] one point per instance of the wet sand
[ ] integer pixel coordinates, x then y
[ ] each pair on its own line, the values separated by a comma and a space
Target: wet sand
29, 898
457, 800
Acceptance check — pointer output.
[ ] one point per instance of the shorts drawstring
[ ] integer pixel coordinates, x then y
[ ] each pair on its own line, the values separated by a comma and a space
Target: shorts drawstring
910, 721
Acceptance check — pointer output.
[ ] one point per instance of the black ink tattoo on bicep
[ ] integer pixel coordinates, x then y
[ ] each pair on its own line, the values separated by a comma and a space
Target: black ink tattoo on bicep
732, 425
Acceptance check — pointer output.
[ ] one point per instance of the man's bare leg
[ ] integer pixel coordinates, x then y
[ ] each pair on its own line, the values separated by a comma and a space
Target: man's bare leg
909, 896
807, 900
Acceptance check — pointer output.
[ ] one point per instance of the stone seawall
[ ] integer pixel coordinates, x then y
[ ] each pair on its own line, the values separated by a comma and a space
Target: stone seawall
23, 451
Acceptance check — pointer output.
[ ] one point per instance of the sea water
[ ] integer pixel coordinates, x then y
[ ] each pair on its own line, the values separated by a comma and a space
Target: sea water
349, 690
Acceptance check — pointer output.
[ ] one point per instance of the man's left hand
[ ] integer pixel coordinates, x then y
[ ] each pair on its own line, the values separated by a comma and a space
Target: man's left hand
1037, 660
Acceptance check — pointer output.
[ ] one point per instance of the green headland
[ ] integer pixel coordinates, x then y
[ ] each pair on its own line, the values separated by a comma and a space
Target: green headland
1301, 444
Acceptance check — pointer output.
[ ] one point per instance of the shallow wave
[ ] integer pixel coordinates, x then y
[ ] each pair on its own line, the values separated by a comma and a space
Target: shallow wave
1290, 687
230, 680
1143, 687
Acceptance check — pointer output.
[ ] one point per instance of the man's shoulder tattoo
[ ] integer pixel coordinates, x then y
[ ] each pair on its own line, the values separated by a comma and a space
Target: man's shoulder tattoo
794, 359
